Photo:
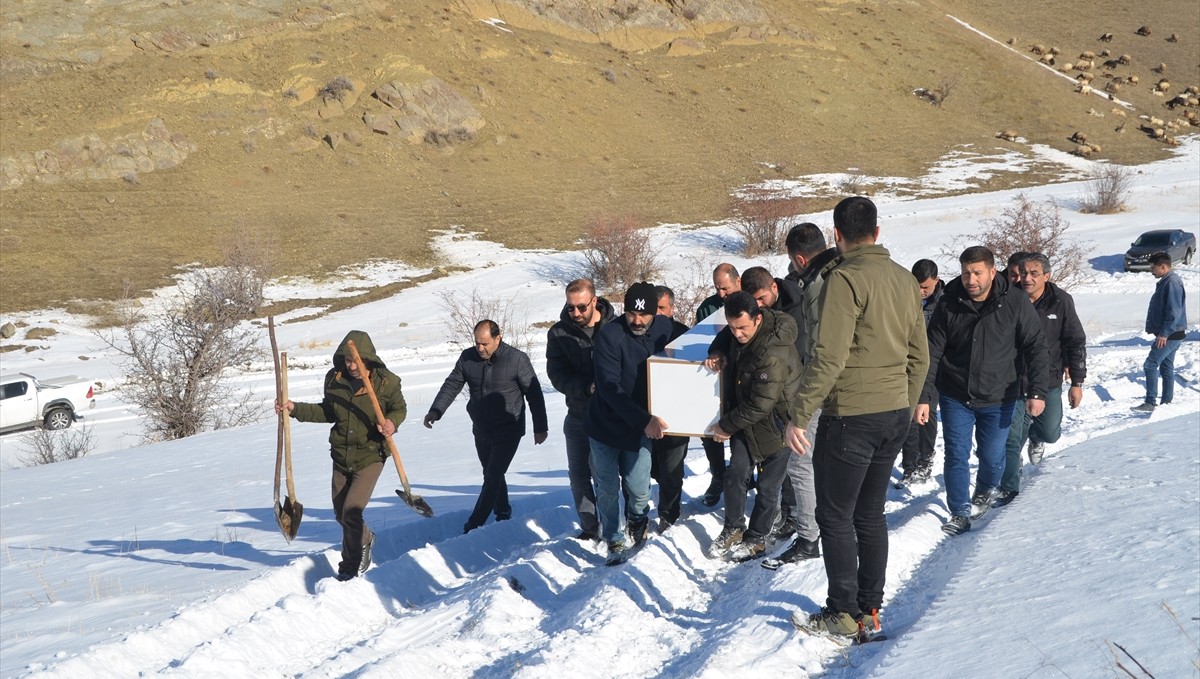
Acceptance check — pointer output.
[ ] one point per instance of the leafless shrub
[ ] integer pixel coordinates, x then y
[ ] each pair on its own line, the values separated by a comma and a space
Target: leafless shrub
462, 311
853, 183
938, 95
1031, 227
762, 219
47, 447
211, 74
291, 93
175, 361
1107, 190
336, 88
691, 287
618, 253
609, 75
131, 178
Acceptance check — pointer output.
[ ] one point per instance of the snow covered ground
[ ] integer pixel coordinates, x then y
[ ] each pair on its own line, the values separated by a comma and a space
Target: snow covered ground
166, 558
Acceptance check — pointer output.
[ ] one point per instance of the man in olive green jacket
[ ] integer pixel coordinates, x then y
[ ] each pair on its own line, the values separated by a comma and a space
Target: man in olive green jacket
357, 440
868, 365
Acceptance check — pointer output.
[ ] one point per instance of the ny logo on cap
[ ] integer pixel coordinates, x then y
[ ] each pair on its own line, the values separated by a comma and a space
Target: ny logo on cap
639, 304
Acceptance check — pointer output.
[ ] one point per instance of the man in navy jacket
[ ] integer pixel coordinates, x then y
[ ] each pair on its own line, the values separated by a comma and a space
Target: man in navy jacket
1166, 319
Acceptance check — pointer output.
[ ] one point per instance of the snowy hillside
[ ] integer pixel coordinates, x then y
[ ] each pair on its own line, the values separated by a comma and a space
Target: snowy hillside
167, 559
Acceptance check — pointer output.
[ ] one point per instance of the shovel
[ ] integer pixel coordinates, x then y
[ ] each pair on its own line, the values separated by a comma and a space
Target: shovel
417, 502
288, 514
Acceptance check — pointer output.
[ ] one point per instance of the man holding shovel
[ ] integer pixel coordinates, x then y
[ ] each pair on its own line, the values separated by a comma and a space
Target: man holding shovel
357, 439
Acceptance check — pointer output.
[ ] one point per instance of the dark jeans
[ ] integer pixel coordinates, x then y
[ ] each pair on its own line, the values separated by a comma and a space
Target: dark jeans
715, 452
990, 425
579, 473
852, 460
666, 467
918, 445
771, 473
351, 493
495, 454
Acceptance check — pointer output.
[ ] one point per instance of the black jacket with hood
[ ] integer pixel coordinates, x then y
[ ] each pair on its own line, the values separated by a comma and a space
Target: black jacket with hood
569, 357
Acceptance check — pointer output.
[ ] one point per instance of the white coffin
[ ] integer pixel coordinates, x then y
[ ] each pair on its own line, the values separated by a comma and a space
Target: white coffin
681, 390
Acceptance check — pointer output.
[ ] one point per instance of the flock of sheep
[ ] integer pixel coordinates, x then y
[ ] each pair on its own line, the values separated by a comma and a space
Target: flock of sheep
1086, 70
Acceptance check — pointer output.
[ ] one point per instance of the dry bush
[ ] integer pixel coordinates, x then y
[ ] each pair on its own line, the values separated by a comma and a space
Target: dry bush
336, 88
175, 361
463, 311
47, 447
1108, 190
762, 218
1031, 227
618, 252
691, 287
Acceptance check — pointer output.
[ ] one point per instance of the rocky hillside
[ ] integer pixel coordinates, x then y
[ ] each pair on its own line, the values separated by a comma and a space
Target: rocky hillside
139, 136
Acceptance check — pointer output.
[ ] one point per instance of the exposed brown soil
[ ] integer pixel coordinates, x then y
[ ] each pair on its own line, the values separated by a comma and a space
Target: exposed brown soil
573, 129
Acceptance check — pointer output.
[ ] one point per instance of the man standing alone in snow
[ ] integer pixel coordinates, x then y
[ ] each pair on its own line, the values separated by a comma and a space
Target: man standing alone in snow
1166, 319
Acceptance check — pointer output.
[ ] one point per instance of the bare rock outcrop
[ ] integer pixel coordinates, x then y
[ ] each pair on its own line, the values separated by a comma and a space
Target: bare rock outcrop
427, 111
91, 158
624, 24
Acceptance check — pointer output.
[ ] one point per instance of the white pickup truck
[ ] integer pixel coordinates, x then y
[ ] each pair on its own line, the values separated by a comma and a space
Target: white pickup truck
26, 401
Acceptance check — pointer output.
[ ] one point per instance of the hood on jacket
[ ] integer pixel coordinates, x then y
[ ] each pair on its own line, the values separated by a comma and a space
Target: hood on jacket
364, 345
774, 331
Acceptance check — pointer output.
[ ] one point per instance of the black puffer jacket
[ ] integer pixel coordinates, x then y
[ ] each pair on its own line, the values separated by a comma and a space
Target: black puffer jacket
569, 357
498, 389
762, 376
974, 352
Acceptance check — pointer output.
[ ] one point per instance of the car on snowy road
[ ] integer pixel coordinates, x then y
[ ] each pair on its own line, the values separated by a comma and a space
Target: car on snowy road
1178, 243
27, 402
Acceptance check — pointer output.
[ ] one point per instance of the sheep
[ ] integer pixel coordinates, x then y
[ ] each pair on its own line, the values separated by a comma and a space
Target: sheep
1111, 64
1192, 89
1163, 86
1161, 68
1038, 49
1094, 113
1067, 67
1174, 37
1084, 88
1085, 77
1132, 80
1047, 59
1121, 128
1054, 51
1105, 52
1144, 30
1078, 137
1155, 122
1125, 59
1084, 65
1116, 111
1087, 54
1007, 135
1095, 148
1193, 101
1012, 40
1170, 141
1112, 87
1082, 150
1106, 37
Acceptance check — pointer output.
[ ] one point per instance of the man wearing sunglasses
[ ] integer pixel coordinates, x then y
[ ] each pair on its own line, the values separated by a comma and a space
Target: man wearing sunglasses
569, 364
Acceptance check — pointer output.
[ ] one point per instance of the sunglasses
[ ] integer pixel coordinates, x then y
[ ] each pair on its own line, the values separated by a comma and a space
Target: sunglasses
580, 308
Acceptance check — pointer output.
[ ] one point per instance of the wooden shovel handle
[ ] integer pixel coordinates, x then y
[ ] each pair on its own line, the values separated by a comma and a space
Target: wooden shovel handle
280, 433
287, 426
379, 414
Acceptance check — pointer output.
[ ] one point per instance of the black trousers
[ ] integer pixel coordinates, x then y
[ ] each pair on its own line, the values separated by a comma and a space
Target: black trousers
495, 454
715, 452
918, 445
852, 466
666, 467
771, 473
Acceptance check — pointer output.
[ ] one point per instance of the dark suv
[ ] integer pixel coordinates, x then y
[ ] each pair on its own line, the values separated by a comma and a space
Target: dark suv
1178, 243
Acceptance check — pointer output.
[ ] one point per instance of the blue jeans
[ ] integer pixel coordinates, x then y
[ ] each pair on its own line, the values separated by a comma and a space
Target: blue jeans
1161, 362
990, 426
1045, 428
613, 468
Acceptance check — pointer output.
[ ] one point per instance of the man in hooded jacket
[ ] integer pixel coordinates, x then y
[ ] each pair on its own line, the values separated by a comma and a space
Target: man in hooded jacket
357, 441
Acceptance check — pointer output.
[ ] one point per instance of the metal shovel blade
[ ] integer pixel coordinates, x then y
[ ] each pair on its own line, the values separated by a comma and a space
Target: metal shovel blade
417, 502
289, 516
